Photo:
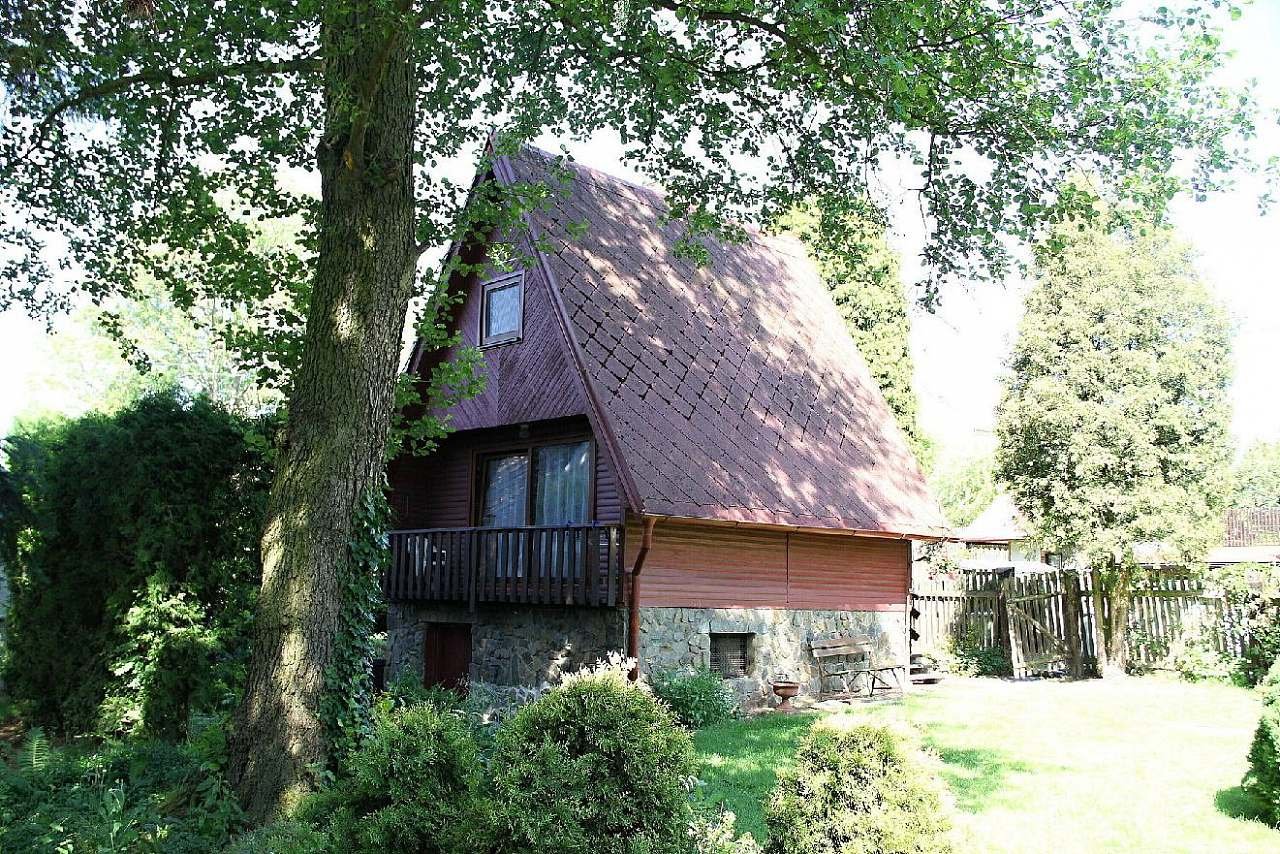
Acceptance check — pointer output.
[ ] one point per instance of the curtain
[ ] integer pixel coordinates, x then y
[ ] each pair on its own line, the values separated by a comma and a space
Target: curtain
505, 491
562, 481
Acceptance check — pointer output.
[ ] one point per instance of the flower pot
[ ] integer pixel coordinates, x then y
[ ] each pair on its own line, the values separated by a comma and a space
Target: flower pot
785, 691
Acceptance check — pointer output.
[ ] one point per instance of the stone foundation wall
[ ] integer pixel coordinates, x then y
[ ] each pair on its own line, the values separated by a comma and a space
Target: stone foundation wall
676, 638
532, 646
510, 645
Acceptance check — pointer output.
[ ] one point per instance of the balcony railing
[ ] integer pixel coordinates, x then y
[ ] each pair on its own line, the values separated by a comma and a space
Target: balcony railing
563, 565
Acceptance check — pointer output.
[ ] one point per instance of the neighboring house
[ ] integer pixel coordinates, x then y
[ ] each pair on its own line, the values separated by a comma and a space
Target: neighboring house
1249, 535
1000, 534
690, 465
1252, 536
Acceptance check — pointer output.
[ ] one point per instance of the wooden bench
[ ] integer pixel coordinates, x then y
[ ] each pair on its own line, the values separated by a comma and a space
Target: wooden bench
854, 663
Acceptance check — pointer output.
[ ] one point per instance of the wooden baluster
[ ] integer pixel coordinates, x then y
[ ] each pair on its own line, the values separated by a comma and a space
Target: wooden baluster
527, 539
548, 554
575, 566
607, 544
591, 588
473, 567
581, 544
446, 565
557, 575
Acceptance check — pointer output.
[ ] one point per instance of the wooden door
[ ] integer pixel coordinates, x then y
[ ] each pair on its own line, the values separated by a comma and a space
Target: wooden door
446, 660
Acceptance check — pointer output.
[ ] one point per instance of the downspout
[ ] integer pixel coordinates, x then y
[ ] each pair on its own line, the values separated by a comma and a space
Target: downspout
633, 599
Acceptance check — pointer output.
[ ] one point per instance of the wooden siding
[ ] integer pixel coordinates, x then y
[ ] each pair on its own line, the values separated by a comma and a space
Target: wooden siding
531, 379
707, 566
436, 491
848, 573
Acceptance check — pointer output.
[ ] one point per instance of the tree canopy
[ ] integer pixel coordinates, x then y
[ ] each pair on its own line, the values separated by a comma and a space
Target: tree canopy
964, 488
1113, 428
1256, 479
173, 121
127, 540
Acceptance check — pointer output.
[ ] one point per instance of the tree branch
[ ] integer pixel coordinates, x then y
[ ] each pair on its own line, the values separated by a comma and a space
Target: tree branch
168, 80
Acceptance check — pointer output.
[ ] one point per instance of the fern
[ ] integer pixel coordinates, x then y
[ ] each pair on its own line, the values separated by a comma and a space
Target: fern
36, 750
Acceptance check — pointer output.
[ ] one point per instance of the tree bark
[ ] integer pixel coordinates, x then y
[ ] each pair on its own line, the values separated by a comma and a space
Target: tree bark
1115, 664
340, 402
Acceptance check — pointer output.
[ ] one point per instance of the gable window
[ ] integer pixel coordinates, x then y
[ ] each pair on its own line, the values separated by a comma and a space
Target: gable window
502, 310
731, 654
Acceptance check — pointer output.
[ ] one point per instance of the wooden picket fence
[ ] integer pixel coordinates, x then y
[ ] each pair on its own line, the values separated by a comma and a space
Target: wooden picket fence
1047, 622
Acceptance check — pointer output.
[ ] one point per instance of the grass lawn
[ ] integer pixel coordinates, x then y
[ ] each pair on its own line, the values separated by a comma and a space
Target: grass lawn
1145, 764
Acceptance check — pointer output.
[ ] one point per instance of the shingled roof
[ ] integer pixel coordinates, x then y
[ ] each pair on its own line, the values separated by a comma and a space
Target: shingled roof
1258, 526
729, 392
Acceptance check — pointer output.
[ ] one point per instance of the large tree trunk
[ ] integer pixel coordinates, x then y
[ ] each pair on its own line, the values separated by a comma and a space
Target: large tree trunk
1113, 657
340, 404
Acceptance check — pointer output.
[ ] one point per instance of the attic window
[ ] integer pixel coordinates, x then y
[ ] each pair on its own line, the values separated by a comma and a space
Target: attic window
502, 310
730, 655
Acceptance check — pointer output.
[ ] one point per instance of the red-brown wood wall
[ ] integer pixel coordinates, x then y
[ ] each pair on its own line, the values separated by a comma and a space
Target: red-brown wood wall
532, 379
435, 491
708, 566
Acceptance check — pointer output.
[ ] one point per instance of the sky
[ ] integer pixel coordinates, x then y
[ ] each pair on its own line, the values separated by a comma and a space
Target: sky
961, 349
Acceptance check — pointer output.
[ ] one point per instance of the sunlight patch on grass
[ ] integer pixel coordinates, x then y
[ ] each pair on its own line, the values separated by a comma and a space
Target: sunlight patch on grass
1136, 765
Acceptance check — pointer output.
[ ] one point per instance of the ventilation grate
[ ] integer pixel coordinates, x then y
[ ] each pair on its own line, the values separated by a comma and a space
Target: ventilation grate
730, 654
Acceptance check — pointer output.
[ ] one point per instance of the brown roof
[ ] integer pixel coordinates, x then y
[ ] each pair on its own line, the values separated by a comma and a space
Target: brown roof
730, 392
1253, 527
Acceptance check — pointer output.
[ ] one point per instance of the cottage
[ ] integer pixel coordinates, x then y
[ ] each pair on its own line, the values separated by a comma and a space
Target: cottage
1000, 534
688, 464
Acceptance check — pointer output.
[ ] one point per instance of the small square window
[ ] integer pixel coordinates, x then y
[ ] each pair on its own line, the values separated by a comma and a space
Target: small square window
503, 310
731, 655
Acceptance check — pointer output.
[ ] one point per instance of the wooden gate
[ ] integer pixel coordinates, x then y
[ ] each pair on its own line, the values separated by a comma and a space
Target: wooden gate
1043, 615
1040, 620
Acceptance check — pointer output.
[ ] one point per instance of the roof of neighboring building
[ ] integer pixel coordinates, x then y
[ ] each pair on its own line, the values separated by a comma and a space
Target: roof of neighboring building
999, 523
1244, 554
729, 392
1259, 526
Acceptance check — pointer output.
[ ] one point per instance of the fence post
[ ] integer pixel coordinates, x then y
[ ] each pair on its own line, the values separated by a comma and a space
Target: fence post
1015, 646
1071, 616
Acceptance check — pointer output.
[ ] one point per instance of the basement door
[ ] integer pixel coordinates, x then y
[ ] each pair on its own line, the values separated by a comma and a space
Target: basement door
446, 659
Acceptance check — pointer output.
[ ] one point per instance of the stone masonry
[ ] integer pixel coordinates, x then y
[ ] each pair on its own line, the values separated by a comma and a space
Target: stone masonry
531, 646
510, 645
680, 638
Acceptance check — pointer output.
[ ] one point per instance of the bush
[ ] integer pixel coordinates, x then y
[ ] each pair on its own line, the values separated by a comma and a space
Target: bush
969, 656
130, 544
1263, 778
1252, 594
286, 837
412, 787
857, 789
1194, 654
699, 698
714, 834
594, 766
146, 796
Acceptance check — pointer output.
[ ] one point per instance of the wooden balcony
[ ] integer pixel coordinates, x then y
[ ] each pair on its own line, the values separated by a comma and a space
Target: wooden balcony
565, 565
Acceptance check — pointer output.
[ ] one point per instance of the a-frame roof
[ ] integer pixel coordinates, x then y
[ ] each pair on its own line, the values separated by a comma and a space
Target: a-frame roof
730, 392
999, 523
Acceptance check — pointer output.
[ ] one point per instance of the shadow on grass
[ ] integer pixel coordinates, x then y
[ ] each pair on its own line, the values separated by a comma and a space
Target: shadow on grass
977, 777
1237, 803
